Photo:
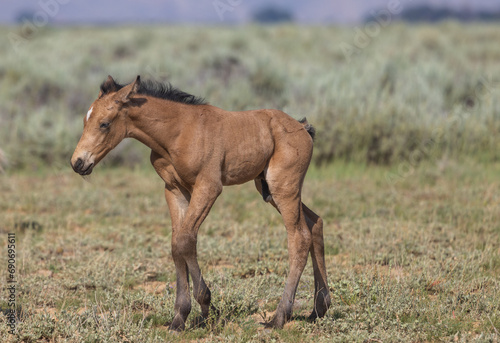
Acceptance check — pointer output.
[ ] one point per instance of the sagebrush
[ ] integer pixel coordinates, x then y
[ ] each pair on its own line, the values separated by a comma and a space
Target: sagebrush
413, 93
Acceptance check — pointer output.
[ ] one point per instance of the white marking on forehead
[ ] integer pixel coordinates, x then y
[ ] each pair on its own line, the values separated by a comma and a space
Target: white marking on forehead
89, 113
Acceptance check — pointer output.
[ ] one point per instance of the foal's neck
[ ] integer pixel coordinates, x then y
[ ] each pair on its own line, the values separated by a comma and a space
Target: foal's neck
157, 122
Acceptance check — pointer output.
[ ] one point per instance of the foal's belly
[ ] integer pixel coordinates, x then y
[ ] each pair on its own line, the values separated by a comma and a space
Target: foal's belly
247, 146
241, 172
246, 159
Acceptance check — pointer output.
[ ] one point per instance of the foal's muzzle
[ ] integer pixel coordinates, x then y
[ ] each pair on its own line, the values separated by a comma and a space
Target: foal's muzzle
80, 167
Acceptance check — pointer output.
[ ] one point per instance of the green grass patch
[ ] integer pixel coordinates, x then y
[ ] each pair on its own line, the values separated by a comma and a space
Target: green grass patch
416, 260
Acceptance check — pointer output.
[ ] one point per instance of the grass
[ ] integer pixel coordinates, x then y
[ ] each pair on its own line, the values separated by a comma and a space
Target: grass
417, 260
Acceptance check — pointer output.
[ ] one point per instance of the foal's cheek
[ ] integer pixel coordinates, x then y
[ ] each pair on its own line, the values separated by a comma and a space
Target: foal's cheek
111, 139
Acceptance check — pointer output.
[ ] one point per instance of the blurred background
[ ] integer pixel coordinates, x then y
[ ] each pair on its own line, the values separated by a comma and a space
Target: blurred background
383, 81
314, 12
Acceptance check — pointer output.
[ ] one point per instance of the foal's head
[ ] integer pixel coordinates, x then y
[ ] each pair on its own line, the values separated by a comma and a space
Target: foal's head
104, 126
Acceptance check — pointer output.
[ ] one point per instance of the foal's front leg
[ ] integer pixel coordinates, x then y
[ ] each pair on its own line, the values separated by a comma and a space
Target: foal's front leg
178, 201
184, 240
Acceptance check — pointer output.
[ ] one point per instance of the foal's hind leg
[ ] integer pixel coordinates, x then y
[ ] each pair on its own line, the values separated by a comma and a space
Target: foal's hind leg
286, 200
322, 299
299, 242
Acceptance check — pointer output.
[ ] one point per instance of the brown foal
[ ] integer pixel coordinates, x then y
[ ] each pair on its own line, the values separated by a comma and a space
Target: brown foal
197, 149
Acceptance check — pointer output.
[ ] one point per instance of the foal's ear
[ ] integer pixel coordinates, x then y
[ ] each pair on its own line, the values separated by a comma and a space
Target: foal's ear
135, 85
126, 92
108, 86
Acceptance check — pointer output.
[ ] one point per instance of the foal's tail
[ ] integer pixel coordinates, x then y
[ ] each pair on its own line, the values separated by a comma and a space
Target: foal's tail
309, 128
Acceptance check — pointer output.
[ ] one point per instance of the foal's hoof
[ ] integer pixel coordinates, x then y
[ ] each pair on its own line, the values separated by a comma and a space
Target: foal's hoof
177, 325
323, 302
316, 314
277, 322
312, 317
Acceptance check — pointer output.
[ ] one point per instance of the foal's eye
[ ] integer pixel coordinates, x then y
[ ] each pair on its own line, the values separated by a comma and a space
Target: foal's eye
104, 125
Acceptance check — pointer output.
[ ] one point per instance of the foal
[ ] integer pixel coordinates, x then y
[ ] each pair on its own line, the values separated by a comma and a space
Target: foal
197, 149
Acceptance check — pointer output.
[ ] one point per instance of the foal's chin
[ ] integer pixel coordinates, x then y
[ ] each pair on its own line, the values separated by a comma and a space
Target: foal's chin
86, 173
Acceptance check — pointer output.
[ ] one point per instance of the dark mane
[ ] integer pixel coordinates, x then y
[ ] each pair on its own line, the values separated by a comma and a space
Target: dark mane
158, 90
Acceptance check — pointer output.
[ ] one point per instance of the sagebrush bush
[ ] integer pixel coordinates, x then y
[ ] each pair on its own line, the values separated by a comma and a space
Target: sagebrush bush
414, 92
